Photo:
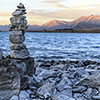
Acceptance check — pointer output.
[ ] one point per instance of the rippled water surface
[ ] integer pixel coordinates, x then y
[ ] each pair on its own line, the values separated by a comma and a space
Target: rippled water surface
58, 45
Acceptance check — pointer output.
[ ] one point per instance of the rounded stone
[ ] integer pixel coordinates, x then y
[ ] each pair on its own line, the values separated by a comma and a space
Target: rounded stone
17, 46
16, 38
19, 54
20, 5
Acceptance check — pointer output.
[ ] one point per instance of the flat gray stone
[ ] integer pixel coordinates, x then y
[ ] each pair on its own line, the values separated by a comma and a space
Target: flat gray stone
16, 13
67, 91
79, 89
16, 33
17, 46
47, 74
96, 97
19, 54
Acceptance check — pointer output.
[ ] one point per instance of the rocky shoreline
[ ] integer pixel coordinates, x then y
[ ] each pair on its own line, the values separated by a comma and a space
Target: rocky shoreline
22, 78
51, 80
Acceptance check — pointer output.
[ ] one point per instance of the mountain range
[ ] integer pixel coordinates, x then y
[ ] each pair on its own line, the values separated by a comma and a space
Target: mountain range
84, 22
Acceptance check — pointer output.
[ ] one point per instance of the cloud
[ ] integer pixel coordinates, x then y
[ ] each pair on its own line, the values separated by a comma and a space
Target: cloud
64, 14
52, 1
5, 14
57, 5
87, 6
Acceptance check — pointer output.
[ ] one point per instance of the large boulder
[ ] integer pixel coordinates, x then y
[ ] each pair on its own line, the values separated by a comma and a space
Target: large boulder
9, 80
46, 90
91, 80
25, 68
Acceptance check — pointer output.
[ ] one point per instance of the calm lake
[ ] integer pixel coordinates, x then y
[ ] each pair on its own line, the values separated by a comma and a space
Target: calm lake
58, 46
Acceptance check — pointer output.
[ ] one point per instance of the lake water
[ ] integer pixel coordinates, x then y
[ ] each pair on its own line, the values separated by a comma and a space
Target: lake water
58, 46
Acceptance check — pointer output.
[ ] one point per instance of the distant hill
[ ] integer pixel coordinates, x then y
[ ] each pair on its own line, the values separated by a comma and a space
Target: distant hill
92, 19
4, 28
84, 25
84, 22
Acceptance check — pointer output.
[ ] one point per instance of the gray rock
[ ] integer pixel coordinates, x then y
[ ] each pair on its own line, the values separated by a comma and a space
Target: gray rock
63, 83
88, 93
16, 33
81, 72
71, 99
96, 97
62, 97
67, 91
14, 97
79, 96
25, 68
24, 96
16, 13
30, 92
38, 70
55, 97
91, 80
47, 74
46, 90
33, 96
17, 46
9, 80
18, 27
79, 89
19, 54
20, 5
18, 20
1, 55
16, 38
60, 66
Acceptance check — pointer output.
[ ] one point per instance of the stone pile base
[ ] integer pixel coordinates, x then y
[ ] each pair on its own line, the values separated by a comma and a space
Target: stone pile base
14, 76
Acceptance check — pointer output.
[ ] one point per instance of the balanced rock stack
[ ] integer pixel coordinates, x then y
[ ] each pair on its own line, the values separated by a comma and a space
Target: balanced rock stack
17, 27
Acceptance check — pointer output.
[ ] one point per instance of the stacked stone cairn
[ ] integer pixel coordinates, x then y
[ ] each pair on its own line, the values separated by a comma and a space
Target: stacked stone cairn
17, 27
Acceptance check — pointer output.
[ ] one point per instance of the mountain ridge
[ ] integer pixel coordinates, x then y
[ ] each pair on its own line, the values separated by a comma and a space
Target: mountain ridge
83, 22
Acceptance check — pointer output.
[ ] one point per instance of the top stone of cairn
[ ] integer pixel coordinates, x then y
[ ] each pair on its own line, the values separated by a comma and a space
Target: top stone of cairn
20, 11
20, 5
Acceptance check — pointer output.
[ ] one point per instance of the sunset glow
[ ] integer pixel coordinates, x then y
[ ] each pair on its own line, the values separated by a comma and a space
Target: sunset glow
41, 11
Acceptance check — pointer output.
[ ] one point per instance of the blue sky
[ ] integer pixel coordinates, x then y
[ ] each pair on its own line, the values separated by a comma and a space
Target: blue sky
41, 11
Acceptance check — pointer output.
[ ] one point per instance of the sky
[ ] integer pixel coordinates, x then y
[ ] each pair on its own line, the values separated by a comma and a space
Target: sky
42, 11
